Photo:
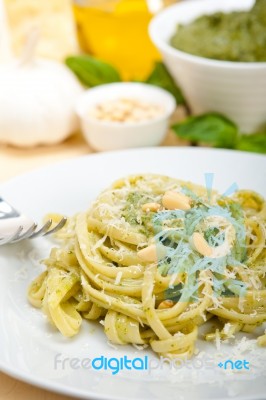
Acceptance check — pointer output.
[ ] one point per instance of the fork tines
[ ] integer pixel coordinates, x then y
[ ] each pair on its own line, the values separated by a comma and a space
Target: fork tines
31, 232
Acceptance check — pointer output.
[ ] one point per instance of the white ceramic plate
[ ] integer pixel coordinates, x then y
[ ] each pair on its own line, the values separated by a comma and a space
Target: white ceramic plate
28, 345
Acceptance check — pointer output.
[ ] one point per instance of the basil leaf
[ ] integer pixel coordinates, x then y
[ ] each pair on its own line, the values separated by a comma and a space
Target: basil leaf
211, 128
162, 78
254, 143
92, 71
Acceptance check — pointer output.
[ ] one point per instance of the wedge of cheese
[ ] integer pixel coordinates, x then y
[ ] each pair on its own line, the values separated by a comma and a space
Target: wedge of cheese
54, 20
5, 48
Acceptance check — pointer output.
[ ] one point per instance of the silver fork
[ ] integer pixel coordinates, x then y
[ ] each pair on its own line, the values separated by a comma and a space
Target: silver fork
15, 226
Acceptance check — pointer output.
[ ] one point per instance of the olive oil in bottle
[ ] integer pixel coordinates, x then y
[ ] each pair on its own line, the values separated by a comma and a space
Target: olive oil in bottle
117, 32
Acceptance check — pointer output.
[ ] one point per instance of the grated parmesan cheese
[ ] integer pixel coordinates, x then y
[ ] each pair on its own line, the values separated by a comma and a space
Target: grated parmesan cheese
118, 278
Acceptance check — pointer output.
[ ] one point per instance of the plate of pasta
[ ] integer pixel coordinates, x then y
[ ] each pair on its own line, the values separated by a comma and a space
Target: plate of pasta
156, 286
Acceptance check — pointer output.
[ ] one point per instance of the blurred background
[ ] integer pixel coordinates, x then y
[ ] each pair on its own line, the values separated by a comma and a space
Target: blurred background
114, 30
54, 51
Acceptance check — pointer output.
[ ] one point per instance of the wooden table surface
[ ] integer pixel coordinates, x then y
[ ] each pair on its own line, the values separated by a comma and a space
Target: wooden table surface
14, 161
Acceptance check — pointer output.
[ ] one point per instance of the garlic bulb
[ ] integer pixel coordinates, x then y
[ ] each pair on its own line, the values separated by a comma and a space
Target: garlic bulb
37, 101
37, 97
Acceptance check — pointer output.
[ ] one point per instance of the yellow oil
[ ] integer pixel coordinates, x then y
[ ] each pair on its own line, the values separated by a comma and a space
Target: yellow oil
117, 32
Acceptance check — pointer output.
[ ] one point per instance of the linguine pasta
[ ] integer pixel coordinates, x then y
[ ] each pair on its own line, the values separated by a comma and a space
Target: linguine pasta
153, 259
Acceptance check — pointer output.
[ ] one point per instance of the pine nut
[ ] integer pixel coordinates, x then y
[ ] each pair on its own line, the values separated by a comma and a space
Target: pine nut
125, 110
151, 207
201, 245
175, 201
149, 254
165, 304
153, 253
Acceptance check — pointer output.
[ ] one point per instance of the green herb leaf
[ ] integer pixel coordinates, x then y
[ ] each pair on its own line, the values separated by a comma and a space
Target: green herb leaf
162, 78
211, 128
92, 71
255, 143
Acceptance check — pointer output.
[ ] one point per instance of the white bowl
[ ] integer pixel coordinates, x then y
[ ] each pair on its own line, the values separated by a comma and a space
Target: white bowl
105, 135
236, 89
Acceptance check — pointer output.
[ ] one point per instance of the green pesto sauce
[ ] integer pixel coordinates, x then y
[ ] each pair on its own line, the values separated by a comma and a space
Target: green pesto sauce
142, 221
235, 36
129, 212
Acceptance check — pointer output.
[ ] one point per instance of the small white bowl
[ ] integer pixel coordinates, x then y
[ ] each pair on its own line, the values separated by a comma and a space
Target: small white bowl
109, 135
235, 89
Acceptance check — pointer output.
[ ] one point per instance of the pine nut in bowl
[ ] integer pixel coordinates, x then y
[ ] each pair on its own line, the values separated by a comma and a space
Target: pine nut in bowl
125, 115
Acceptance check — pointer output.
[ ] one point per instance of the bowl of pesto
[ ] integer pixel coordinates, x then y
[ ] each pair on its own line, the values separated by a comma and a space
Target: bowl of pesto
216, 51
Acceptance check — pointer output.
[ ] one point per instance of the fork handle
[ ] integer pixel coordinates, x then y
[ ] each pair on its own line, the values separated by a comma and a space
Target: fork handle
6, 210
